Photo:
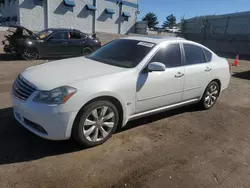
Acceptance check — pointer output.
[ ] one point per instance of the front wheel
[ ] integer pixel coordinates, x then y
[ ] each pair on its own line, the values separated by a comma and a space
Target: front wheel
30, 54
96, 124
210, 95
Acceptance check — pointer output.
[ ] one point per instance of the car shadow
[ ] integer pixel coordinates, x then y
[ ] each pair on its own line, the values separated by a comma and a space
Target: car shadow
7, 57
242, 75
19, 145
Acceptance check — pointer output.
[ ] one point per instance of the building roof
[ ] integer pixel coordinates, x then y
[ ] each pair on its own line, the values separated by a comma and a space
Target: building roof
246, 13
154, 39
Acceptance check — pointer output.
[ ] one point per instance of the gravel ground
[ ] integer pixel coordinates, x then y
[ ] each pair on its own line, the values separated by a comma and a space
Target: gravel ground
180, 148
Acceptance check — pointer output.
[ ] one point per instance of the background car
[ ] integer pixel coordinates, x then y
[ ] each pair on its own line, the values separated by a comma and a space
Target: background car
49, 43
88, 98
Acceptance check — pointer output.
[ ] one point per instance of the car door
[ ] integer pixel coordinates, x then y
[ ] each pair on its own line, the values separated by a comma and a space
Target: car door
158, 89
197, 71
75, 43
56, 44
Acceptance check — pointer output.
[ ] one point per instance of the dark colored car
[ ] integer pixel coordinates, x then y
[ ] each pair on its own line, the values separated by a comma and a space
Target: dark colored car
49, 43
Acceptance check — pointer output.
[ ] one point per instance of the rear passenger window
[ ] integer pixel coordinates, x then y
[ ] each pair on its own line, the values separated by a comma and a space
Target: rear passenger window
169, 56
75, 35
83, 36
208, 55
193, 54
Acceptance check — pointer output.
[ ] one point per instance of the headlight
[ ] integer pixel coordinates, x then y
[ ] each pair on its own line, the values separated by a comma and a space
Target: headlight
56, 96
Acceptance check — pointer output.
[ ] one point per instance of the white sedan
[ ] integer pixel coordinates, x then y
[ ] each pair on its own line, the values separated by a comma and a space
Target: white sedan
89, 98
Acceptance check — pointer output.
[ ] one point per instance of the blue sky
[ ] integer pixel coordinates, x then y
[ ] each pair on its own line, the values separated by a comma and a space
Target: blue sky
191, 8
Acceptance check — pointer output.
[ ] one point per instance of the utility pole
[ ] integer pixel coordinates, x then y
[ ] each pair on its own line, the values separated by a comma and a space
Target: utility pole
46, 14
119, 3
94, 18
205, 30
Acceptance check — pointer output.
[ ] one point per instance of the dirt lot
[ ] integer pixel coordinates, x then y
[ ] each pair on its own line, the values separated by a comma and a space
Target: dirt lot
180, 148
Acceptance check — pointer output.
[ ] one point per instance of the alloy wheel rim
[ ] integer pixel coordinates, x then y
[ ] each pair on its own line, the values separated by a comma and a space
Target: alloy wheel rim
30, 55
211, 95
99, 124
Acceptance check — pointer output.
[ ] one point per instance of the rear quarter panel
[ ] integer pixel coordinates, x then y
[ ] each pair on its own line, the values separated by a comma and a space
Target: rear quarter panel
220, 71
220, 68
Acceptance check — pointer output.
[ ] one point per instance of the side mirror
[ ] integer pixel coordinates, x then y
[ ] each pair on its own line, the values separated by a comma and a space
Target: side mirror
156, 66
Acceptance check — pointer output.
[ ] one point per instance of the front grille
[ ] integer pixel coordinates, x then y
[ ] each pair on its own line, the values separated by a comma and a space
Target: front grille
22, 89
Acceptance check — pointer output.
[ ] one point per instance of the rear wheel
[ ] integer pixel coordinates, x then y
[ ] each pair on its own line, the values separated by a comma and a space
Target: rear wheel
87, 51
96, 124
210, 95
30, 54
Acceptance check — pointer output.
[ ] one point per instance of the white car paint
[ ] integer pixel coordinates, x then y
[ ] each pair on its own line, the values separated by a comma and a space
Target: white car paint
159, 89
63, 72
138, 94
196, 79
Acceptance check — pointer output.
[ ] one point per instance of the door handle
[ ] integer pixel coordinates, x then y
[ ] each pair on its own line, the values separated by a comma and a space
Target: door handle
65, 42
179, 74
208, 69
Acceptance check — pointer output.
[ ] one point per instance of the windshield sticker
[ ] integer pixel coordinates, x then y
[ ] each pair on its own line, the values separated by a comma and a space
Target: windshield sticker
150, 45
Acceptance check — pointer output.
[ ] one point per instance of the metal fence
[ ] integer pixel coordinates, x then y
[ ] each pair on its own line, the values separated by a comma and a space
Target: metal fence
223, 33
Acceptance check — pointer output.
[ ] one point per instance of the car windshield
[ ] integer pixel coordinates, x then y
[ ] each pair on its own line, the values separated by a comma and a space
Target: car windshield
44, 33
122, 53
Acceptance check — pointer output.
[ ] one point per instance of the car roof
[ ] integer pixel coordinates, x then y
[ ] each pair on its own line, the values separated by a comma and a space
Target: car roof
62, 29
155, 39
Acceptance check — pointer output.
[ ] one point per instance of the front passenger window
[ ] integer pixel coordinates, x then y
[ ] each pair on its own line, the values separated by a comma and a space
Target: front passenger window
170, 56
59, 36
83, 36
75, 35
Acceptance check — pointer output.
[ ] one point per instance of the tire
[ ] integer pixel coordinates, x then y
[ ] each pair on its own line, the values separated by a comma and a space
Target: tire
93, 128
30, 54
210, 96
87, 51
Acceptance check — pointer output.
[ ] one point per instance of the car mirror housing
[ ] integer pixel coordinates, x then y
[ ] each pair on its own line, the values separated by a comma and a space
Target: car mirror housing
156, 66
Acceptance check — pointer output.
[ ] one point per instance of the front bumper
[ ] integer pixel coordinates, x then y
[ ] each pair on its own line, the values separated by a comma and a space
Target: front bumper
43, 120
8, 49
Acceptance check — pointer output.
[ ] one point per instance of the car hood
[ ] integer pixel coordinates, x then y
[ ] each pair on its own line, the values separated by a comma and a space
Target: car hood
65, 72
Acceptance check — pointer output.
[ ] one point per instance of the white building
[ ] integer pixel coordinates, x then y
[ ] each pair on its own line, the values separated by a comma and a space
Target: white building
112, 16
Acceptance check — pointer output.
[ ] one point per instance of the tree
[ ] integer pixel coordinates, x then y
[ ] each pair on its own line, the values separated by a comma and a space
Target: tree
151, 18
170, 21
